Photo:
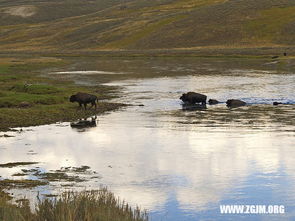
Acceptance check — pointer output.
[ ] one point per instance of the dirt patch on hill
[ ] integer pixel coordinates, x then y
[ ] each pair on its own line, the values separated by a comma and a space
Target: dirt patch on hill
22, 11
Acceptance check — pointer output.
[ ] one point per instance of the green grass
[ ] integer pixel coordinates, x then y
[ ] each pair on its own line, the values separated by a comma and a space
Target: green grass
15, 99
31, 93
47, 99
4, 68
36, 89
269, 26
99, 205
142, 32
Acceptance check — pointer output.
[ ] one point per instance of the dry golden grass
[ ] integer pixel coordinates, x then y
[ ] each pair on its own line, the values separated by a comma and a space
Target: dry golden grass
145, 25
72, 206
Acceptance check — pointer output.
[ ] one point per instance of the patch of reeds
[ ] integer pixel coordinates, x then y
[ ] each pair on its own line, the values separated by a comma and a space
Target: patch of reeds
99, 205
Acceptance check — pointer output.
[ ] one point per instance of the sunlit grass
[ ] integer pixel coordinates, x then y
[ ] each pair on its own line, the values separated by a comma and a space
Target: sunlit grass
99, 205
269, 25
165, 24
136, 33
94, 205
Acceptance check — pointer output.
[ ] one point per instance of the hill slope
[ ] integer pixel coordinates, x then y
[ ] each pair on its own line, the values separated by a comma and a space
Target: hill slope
57, 25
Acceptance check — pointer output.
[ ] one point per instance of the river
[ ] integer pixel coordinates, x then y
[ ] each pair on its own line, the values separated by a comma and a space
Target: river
179, 164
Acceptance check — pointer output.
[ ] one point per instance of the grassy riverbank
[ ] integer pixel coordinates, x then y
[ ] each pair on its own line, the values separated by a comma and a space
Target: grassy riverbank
27, 99
87, 205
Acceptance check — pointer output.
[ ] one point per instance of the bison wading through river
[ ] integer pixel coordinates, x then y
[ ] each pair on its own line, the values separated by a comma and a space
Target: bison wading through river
193, 98
84, 98
235, 103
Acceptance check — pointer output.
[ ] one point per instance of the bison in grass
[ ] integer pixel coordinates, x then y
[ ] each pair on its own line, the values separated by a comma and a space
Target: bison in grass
84, 98
192, 98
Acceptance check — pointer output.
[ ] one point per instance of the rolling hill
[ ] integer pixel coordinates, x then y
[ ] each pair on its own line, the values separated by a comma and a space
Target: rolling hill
100, 25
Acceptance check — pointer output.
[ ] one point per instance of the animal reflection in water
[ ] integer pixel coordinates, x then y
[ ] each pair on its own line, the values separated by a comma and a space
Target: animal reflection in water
193, 107
85, 123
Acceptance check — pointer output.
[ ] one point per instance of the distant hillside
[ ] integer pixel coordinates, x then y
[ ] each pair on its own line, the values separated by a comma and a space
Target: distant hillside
63, 25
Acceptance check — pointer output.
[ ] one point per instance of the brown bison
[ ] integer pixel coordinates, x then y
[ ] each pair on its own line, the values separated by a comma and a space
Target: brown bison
192, 98
235, 103
84, 98
277, 103
213, 101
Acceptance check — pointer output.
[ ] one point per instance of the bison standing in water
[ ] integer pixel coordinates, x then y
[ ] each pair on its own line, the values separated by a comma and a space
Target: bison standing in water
84, 98
192, 98
235, 103
213, 101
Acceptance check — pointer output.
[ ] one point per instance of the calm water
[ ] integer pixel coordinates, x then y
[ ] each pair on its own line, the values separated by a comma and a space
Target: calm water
180, 165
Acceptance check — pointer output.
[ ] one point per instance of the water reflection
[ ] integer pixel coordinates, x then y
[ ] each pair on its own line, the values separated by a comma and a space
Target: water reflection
193, 107
181, 165
81, 124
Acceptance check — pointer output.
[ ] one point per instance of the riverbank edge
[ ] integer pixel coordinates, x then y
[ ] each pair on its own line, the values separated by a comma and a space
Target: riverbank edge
47, 114
22, 107
202, 52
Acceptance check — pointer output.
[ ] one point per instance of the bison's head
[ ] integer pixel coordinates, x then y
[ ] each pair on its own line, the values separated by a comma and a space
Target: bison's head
183, 97
73, 98
229, 102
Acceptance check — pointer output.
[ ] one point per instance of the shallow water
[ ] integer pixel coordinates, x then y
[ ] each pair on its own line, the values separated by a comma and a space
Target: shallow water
180, 165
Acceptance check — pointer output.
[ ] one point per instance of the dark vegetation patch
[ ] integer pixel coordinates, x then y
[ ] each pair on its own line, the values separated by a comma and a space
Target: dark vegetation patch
6, 135
82, 169
50, 195
15, 164
7, 183
64, 174
19, 174
58, 176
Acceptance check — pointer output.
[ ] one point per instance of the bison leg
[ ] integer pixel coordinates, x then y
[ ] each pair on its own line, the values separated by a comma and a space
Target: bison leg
80, 105
94, 103
85, 105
